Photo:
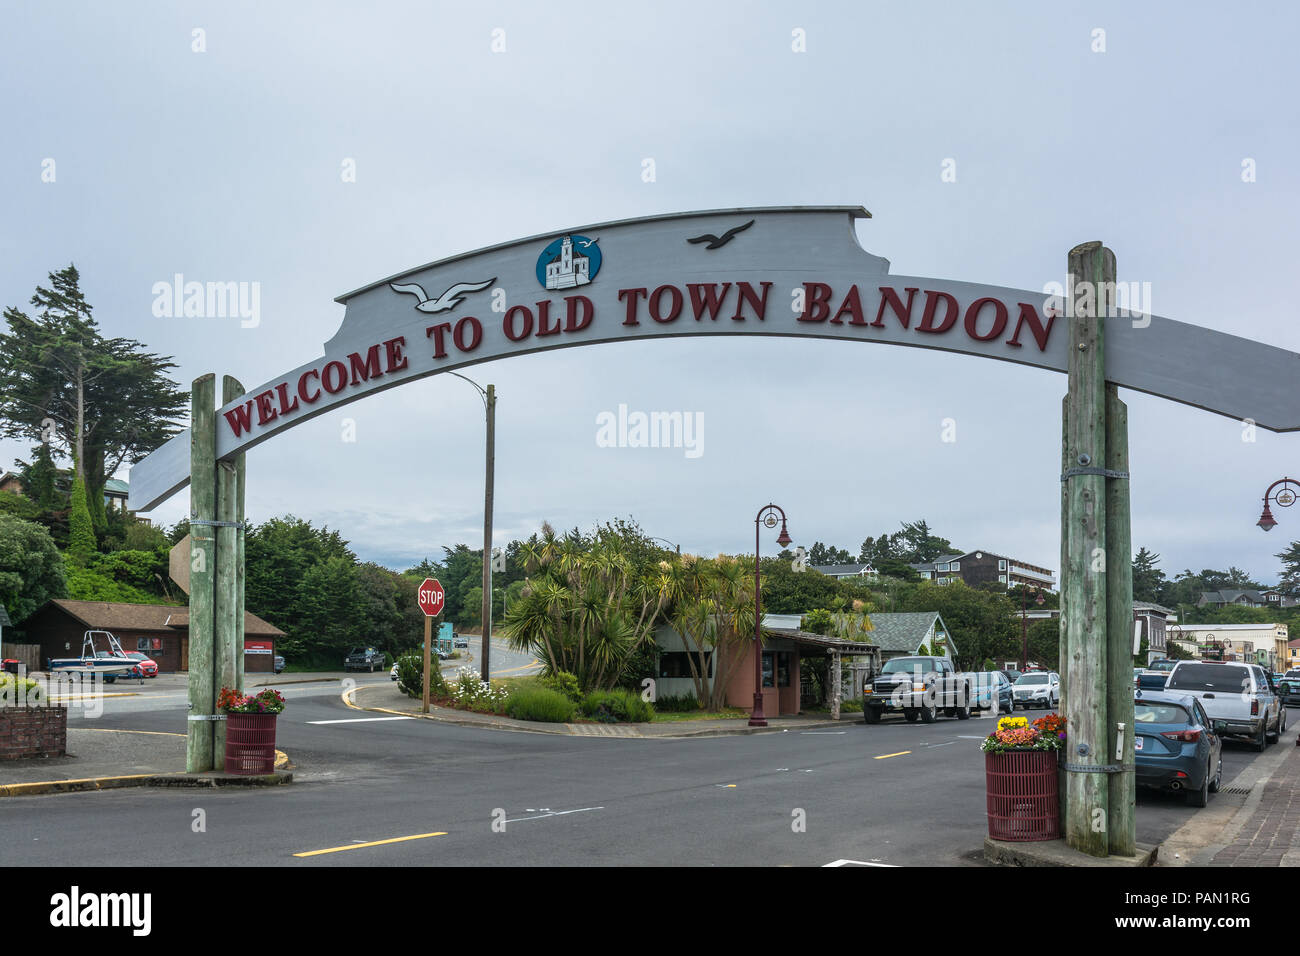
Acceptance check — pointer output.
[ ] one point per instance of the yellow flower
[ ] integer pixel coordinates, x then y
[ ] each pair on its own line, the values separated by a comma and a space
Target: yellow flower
1010, 723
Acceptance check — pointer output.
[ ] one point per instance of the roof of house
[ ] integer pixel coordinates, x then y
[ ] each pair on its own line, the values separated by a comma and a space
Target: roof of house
1148, 606
110, 615
906, 631
116, 486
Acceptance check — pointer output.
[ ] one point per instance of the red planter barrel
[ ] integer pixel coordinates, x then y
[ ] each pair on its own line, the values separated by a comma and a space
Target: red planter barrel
250, 744
1023, 802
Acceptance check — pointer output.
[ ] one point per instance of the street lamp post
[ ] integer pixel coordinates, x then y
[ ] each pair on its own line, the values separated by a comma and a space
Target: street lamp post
1284, 498
767, 517
490, 406
1024, 625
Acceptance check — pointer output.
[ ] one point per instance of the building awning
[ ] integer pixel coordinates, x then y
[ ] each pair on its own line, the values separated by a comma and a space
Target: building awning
824, 644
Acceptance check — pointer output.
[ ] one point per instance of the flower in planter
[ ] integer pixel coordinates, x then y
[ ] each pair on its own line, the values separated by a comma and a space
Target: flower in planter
268, 701
1014, 733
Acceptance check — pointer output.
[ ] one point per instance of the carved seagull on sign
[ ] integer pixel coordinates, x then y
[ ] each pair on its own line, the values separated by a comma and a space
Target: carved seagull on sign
448, 300
715, 242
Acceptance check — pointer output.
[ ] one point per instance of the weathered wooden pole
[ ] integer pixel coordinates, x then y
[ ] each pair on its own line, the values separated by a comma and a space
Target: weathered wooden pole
203, 507
227, 613
1119, 628
1083, 573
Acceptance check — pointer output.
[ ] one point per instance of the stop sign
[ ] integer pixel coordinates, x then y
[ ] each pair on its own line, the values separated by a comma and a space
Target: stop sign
431, 597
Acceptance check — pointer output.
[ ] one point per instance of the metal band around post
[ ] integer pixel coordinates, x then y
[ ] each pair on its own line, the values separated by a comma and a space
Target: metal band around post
1104, 472
241, 525
206, 717
1097, 768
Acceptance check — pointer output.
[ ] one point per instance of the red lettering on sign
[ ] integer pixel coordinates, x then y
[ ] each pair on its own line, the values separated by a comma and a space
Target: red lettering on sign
544, 316
393, 352
853, 305
510, 326
756, 302
340, 377
362, 371
631, 295
573, 304
436, 332
932, 300
1040, 331
816, 305
265, 412
302, 386
475, 333
999, 319
657, 301
240, 419
287, 402
889, 297
706, 298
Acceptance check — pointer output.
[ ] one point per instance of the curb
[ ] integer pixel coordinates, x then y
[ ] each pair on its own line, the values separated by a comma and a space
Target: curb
553, 729
1056, 853
280, 775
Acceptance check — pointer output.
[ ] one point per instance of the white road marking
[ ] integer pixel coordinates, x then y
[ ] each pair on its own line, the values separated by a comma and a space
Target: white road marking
948, 744
858, 863
828, 733
553, 813
967, 737
358, 720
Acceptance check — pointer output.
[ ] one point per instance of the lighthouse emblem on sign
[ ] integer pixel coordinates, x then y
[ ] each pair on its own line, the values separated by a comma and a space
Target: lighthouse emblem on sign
568, 262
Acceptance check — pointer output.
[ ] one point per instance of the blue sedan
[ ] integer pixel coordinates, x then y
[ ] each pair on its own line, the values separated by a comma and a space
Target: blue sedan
1175, 747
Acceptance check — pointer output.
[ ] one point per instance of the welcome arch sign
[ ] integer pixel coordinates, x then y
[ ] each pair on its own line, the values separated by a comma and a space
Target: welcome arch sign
775, 271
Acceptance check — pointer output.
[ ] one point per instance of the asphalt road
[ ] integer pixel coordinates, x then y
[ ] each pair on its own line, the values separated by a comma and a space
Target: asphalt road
374, 791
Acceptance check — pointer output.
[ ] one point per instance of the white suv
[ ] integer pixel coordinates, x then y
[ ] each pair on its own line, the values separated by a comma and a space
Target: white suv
1038, 689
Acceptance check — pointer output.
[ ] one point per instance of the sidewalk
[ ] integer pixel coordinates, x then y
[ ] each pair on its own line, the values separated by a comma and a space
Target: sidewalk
109, 759
1269, 833
389, 700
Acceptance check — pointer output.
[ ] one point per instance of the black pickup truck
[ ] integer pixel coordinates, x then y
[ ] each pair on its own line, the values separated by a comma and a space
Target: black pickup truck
364, 658
918, 687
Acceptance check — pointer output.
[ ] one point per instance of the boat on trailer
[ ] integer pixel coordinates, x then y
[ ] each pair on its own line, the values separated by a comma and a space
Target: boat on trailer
112, 661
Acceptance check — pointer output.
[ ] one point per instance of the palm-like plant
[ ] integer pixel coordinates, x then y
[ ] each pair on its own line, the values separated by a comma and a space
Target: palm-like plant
712, 606
585, 608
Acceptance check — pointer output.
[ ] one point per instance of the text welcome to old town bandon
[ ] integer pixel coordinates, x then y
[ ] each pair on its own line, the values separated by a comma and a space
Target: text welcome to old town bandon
790, 271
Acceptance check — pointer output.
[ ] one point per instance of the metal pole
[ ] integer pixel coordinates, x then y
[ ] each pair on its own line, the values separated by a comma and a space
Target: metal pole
428, 631
487, 528
756, 719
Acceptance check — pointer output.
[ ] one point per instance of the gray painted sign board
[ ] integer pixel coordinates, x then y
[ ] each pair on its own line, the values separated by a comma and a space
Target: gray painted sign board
784, 271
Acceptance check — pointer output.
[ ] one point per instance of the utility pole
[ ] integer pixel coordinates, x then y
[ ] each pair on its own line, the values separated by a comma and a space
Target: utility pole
1096, 575
490, 400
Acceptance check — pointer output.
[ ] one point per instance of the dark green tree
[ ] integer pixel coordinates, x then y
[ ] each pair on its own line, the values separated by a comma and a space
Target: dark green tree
31, 569
105, 401
1148, 580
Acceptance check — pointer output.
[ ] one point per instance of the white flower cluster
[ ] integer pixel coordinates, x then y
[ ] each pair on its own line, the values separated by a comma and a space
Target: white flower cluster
469, 689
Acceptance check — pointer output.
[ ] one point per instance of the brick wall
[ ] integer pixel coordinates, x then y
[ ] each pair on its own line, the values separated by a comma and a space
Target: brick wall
33, 732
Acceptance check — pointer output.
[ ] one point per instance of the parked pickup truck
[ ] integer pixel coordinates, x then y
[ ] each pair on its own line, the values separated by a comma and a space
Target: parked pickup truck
1237, 697
919, 687
364, 658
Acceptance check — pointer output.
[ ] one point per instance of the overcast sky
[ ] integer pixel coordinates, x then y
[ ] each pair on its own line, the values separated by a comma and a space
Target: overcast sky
230, 163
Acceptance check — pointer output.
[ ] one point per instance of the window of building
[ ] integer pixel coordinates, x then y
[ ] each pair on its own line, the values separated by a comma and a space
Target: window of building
955, 566
675, 663
1002, 578
1002, 564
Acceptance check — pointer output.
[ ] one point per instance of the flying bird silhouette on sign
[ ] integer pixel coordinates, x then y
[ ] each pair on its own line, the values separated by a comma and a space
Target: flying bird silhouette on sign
716, 241
448, 300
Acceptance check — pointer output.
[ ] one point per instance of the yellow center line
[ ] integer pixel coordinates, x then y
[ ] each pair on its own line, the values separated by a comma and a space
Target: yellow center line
359, 846
885, 756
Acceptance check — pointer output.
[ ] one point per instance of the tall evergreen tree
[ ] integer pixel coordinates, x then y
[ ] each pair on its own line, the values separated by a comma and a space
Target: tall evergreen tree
104, 401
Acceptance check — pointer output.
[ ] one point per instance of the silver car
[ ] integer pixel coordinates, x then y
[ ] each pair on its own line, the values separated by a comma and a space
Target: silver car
1038, 689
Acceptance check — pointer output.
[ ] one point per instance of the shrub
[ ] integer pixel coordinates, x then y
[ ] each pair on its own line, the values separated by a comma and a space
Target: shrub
851, 706
540, 703
565, 683
676, 704
410, 676
617, 705
471, 691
